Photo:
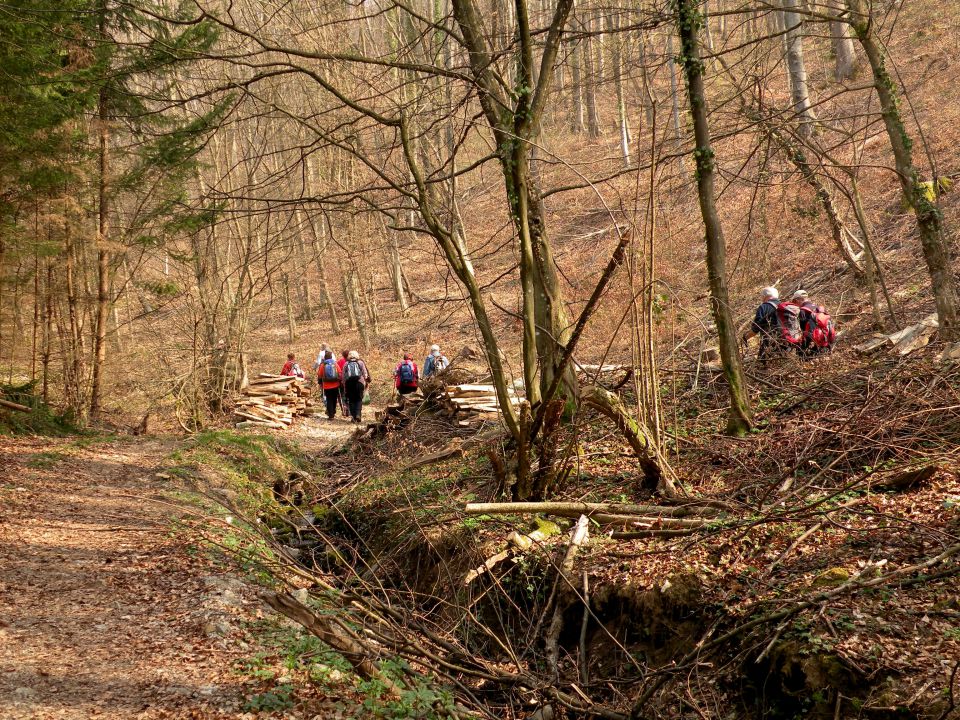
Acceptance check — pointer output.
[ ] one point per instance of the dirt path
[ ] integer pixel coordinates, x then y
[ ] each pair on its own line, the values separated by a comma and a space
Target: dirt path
104, 612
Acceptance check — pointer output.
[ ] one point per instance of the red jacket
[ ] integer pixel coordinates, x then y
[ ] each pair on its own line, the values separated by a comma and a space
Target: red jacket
292, 368
328, 384
396, 373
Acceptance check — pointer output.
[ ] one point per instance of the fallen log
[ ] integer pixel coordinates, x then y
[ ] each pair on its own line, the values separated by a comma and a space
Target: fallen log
331, 631
260, 424
10, 405
576, 509
870, 345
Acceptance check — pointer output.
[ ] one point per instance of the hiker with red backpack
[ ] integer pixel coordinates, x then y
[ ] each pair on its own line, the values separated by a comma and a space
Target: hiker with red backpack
817, 333
292, 367
328, 375
406, 376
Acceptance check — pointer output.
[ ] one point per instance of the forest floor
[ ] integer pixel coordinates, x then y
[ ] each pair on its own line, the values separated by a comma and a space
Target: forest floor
106, 609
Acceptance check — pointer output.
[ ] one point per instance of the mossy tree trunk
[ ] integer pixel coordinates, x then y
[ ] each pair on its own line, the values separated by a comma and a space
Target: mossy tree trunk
917, 196
689, 23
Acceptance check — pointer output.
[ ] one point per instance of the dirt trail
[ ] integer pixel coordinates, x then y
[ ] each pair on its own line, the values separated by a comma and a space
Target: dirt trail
103, 611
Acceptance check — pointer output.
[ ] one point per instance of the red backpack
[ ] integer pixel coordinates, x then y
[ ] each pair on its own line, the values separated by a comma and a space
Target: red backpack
788, 319
818, 330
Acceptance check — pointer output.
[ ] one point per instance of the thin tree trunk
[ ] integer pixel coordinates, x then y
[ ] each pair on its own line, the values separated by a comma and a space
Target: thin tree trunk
578, 109
288, 304
869, 251
844, 48
936, 251
674, 91
740, 419
797, 69
304, 284
396, 273
352, 284
590, 83
616, 49
103, 264
36, 312
47, 330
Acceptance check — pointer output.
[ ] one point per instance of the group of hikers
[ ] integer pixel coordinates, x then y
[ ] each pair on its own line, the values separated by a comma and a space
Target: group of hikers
797, 325
345, 380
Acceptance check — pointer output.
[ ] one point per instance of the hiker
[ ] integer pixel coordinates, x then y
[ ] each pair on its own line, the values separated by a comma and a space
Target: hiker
817, 333
435, 362
328, 376
291, 367
341, 361
406, 375
355, 380
320, 356
766, 324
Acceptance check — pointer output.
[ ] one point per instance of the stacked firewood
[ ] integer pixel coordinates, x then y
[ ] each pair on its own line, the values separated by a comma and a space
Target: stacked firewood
273, 401
471, 404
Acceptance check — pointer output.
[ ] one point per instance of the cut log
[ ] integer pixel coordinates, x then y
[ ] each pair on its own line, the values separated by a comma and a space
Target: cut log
587, 368
908, 480
10, 405
575, 509
929, 321
874, 343
914, 337
259, 424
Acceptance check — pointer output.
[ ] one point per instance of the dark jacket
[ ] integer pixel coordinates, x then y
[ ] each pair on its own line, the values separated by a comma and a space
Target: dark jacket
765, 319
352, 383
767, 326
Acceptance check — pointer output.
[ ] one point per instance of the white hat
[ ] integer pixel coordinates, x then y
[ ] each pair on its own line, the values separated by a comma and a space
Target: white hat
770, 292
800, 295
354, 355
434, 348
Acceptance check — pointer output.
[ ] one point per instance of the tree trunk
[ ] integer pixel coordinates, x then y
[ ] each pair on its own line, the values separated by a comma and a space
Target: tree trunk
616, 61
47, 330
103, 265
674, 91
796, 68
578, 111
936, 251
688, 24
643, 446
844, 48
35, 337
837, 227
288, 304
396, 273
591, 80
353, 289
304, 284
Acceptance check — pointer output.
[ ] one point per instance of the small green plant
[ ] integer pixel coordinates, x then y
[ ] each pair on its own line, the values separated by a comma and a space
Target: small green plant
280, 698
46, 460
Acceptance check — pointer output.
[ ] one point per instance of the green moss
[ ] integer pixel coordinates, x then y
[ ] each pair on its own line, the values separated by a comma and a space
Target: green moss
831, 578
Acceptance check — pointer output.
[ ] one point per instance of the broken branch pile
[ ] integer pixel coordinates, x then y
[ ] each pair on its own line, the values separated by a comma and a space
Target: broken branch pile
273, 401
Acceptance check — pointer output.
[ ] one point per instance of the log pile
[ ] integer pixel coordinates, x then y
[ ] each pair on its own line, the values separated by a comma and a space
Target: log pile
470, 404
272, 402
903, 342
